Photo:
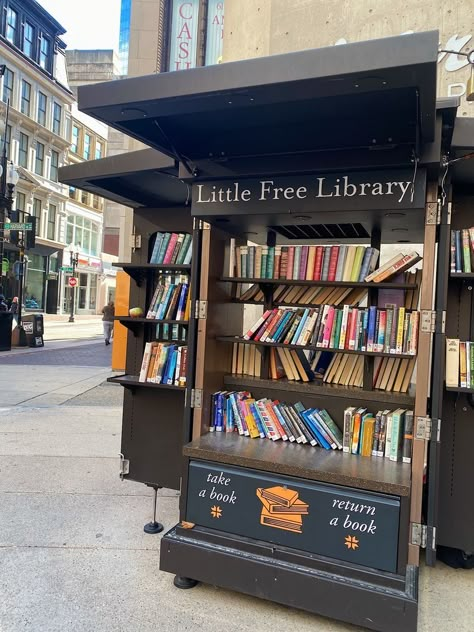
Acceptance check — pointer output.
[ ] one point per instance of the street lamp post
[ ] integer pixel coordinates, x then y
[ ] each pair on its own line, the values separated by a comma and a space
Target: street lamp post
74, 257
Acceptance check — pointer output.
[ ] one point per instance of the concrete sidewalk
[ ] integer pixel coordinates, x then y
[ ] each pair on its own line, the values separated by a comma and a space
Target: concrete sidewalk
73, 555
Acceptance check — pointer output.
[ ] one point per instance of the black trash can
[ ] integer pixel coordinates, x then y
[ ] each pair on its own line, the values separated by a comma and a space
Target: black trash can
5, 331
33, 327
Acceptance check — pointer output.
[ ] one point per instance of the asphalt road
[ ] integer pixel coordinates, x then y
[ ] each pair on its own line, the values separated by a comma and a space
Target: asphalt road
95, 354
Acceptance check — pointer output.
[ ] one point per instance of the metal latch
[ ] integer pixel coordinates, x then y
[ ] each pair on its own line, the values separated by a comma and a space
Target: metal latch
196, 397
433, 321
423, 427
124, 466
433, 212
200, 311
136, 241
418, 534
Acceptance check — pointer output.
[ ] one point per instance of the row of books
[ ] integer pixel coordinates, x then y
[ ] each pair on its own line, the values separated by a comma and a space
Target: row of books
368, 329
310, 263
171, 299
318, 263
172, 248
171, 333
314, 295
459, 363
164, 363
388, 433
462, 250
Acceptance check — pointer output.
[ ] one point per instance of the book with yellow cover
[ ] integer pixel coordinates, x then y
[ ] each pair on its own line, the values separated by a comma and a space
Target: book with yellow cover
452, 362
287, 522
280, 494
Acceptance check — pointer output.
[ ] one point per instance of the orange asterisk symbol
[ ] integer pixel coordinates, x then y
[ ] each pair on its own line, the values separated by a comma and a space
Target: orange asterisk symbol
216, 512
351, 542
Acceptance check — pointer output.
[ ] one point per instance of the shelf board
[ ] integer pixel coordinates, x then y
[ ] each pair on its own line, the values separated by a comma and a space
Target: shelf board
459, 389
462, 275
138, 271
131, 381
290, 459
150, 321
319, 389
355, 284
314, 348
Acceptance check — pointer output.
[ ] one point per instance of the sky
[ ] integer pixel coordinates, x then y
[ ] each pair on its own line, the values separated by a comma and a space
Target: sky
89, 23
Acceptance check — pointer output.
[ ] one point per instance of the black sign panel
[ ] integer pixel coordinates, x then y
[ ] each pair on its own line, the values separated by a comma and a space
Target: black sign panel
337, 522
374, 190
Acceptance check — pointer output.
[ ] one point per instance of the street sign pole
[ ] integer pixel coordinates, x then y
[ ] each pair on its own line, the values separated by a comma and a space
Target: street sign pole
74, 258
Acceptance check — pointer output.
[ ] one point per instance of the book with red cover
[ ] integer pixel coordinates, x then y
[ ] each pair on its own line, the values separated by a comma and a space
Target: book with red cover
170, 249
318, 263
303, 262
328, 327
333, 263
283, 262
291, 258
352, 329
265, 325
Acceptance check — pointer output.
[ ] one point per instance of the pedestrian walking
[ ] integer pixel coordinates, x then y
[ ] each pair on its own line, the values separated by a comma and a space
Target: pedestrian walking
3, 305
108, 321
14, 311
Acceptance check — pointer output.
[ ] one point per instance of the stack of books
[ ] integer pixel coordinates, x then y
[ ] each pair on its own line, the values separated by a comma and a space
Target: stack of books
172, 248
164, 363
388, 433
459, 363
171, 299
310, 263
462, 250
282, 508
369, 329
397, 264
271, 419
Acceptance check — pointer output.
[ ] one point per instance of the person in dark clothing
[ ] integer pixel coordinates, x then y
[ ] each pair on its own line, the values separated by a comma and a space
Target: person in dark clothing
3, 305
14, 308
108, 321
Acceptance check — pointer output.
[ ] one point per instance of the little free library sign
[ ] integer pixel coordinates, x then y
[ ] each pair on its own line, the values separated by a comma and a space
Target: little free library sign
337, 522
374, 190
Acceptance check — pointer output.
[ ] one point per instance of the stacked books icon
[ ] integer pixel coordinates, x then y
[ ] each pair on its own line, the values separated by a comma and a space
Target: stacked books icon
282, 508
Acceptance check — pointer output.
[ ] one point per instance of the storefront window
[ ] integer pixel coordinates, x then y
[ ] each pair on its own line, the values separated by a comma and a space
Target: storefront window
35, 279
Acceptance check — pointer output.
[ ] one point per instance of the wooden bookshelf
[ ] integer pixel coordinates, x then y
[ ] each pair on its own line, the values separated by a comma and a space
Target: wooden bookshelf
462, 275
134, 324
132, 381
354, 284
238, 339
459, 389
302, 461
139, 271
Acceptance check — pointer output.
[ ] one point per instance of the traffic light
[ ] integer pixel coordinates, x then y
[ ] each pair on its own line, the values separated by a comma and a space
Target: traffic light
14, 236
30, 235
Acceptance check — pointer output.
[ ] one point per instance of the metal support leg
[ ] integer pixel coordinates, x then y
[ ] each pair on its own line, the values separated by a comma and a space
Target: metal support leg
154, 526
184, 582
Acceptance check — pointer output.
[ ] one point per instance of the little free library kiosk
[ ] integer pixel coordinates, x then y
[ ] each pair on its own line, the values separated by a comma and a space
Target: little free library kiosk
271, 374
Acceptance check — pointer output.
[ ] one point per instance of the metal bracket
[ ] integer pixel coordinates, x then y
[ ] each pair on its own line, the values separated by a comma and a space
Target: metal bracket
136, 241
124, 466
433, 213
418, 534
433, 321
204, 225
450, 209
423, 427
196, 397
200, 310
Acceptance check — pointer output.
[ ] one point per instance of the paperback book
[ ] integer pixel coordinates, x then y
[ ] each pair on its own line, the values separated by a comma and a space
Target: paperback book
172, 249
164, 363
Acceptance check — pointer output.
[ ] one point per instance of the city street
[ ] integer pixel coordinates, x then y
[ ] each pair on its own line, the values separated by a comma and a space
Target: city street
72, 549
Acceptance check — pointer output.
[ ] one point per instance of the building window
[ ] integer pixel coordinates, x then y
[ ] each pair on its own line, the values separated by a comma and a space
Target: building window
25, 98
39, 160
83, 233
20, 203
214, 32
87, 146
37, 213
51, 222
75, 139
42, 105
98, 150
72, 195
8, 86
96, 202
28, 40
7, 140
23, 151
54, 166
45, 48
11, 32
35, 281
84, 197
57, 110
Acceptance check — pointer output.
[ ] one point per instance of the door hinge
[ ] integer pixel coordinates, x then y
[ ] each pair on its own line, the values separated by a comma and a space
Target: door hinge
124, 466
428, 429
204, 225
418, 534
433, 321
196, 398
200, 311
136, 241
433, 212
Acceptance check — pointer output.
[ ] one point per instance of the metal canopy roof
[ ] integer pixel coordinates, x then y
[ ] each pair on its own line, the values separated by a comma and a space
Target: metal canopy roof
139, 178
462, 150
354, 97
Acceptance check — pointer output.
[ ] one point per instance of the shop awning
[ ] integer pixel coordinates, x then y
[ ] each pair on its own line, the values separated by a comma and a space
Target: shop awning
140, 178
347, 99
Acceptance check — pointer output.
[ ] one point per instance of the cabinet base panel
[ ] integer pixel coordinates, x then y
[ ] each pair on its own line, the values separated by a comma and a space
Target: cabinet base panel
256, 569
